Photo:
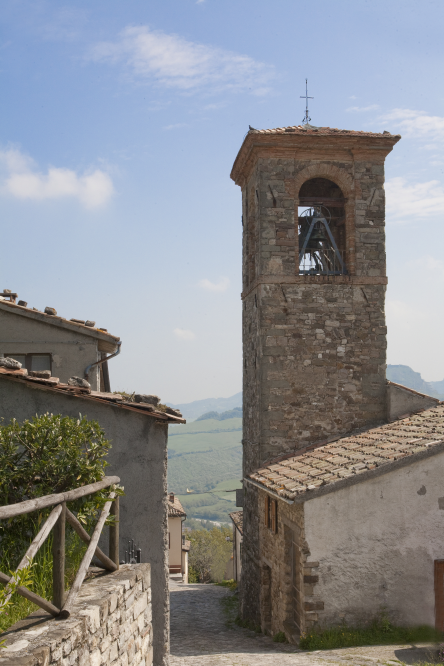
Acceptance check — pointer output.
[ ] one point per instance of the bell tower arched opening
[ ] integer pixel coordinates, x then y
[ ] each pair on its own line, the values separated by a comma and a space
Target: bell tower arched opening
321, 228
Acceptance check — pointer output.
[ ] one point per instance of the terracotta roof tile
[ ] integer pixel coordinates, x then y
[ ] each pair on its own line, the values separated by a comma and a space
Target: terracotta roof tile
175, 508
114, 400
238, 519
311, 129
353, 455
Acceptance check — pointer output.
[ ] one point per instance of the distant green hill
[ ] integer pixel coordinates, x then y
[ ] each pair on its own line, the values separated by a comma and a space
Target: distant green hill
192, 410
231, 414
403, 374
206, 455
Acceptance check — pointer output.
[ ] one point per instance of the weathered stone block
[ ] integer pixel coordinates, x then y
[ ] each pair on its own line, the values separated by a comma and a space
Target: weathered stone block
92, 635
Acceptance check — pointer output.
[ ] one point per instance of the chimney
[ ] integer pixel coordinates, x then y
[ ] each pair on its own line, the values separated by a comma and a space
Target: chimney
171, 498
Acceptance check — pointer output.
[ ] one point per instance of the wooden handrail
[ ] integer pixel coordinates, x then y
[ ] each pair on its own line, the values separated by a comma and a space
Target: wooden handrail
57, 519
12, 510
83, 568
38, 540
107, 562
31, 596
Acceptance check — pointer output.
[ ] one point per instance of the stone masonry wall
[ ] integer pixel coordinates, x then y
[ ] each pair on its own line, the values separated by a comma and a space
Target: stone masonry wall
314, 346
323, 363
110, 624
270, 205
285, 558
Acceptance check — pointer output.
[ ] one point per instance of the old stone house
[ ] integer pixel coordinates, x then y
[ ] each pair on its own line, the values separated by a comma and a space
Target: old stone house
314, 350
46, 341
178, 546
355, 526
138, 432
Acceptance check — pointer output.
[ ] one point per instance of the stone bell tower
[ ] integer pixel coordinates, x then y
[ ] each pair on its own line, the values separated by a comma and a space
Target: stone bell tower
314, 281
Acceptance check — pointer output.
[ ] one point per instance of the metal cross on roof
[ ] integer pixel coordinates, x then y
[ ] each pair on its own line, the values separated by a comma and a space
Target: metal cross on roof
306, 119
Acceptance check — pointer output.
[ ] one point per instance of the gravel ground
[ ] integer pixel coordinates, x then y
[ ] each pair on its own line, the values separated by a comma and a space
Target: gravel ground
200, 637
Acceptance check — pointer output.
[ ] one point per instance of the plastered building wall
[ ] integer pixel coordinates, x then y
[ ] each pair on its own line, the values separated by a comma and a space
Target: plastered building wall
402, 400
175, 541
139, 457
71, 351
376, 542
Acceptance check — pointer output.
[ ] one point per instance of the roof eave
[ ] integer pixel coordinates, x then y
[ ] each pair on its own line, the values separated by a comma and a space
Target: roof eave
296, 139
160, 417
55, 320
353, 480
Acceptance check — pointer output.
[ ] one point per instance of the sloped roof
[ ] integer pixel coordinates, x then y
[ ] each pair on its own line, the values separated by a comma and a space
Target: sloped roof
319, 469
112, 399
284, 141
238, 519
186, 546
61, 322
175, 508
312, 129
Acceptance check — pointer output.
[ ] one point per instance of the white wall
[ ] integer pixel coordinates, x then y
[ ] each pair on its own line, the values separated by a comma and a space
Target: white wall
376, 543
175, 541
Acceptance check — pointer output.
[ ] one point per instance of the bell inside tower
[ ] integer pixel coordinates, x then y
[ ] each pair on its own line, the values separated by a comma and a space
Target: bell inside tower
321, 228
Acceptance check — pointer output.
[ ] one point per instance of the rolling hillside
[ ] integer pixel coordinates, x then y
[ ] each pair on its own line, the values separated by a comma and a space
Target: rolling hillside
192, 410
206, 456
403, 374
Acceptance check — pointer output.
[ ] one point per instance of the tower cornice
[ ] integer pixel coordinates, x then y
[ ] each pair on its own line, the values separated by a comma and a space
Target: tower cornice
314, 143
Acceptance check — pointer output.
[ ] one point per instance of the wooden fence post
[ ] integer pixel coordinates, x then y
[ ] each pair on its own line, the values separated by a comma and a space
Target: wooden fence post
114, 533
58, 560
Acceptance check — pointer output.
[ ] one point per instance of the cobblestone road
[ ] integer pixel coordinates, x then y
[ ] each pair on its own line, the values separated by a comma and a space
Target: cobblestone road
200, 637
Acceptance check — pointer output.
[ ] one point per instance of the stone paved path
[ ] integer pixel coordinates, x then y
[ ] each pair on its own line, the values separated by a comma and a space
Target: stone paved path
200, 637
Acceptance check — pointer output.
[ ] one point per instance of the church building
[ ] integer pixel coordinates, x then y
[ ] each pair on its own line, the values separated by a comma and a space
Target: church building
341, 507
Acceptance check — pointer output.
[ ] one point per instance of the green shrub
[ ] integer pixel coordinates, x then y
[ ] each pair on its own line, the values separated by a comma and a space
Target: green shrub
378, 632
210, 553
193, 575
231, 584
280, 637
248, 624
45, 455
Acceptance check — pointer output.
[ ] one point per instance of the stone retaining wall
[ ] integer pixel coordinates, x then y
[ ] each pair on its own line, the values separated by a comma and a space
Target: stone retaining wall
110, 624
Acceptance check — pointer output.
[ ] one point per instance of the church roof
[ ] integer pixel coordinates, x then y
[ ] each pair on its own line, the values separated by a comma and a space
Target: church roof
312, 129
320, 469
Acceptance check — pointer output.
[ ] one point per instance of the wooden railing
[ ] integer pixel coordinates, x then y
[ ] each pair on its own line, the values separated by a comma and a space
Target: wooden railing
62, 607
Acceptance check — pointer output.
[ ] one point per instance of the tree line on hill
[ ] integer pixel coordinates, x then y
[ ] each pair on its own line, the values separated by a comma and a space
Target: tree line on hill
235, 413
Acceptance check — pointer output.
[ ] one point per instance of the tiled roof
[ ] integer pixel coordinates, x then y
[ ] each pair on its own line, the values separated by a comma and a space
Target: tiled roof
311, 129
354, 458
77, 325
175, 508
238, 519
112, 399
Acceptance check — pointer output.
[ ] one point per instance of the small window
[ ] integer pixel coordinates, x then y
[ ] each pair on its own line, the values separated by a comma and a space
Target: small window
33, 361
271, 514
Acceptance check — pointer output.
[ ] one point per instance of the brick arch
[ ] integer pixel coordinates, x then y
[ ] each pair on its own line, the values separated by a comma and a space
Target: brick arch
328, 171
347, 185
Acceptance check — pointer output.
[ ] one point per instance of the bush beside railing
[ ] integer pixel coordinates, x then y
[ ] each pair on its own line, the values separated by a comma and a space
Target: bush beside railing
56, 520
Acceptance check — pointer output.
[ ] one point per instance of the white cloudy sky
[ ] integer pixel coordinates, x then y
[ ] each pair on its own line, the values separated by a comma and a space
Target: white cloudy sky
119, 126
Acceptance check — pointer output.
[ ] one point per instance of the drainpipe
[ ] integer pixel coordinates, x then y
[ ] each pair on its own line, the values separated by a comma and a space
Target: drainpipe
102, 360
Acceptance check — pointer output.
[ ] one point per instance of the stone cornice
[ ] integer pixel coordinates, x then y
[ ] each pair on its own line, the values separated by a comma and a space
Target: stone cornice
352, 280
327, 147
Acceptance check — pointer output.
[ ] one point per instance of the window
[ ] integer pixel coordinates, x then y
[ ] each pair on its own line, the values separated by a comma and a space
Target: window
33, 361
271, 514
322, 228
